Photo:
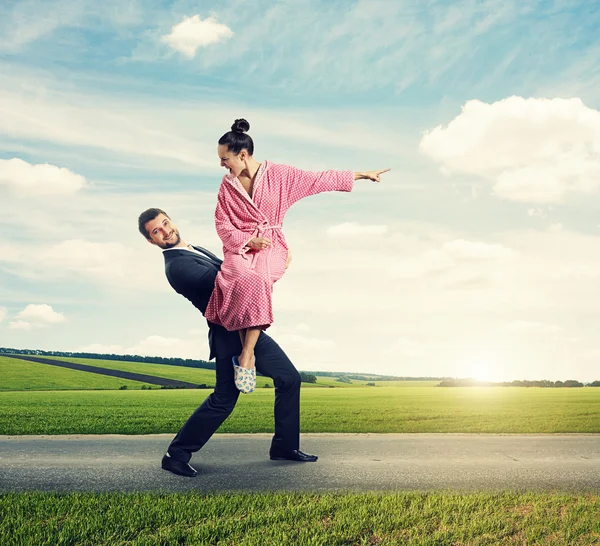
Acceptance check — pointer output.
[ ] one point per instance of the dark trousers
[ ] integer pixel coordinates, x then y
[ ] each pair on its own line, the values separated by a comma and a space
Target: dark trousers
272, 362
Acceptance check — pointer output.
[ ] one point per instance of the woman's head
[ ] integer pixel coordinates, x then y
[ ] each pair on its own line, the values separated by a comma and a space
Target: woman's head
235, 147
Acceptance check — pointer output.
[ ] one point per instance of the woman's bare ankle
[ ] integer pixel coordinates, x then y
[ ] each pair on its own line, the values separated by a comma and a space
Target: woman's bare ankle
246, 359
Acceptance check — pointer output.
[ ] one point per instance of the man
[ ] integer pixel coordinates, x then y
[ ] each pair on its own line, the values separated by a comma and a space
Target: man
191, 271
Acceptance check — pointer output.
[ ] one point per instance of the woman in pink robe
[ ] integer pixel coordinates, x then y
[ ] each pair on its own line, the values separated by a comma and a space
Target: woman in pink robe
251, 205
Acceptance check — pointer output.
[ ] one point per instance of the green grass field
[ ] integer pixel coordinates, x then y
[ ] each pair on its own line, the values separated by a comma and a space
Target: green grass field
280, 519
384, 409
20, 375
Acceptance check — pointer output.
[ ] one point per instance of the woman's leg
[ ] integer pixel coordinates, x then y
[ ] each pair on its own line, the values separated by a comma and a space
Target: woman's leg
246, 358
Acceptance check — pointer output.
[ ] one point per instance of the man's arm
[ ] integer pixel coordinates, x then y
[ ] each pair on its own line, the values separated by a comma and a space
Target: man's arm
192, 279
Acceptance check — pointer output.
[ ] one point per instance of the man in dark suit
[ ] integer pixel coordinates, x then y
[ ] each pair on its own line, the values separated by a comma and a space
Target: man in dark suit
191, 271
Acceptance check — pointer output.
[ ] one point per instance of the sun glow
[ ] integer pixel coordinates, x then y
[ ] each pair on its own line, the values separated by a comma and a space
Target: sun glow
483, 366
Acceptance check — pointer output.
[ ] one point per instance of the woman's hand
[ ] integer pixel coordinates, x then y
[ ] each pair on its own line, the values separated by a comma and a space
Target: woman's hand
370, 175
259, 243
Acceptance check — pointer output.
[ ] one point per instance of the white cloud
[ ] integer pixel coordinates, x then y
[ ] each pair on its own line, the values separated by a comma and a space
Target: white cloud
193, 33
532, 150
354, 229
19, 325
99, 348
156, 345
538, 212
36, 316
475, 250
306, 352
531, 327
460, 260
85, 257
406, 348
27, 180
556, 227
40, 315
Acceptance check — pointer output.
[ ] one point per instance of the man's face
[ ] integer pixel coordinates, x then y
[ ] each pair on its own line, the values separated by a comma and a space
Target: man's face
234, 163
163, 232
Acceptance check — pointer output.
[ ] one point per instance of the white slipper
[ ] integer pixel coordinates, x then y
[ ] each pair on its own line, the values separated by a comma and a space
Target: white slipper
244, 378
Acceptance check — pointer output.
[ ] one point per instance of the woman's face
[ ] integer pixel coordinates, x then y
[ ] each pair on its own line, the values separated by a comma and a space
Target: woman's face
234, 163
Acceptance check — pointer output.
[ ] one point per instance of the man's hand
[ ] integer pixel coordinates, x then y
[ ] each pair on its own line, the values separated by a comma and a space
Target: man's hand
259, 243
370, 175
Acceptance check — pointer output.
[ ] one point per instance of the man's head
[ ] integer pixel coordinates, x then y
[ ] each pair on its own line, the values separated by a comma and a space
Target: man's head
156, 226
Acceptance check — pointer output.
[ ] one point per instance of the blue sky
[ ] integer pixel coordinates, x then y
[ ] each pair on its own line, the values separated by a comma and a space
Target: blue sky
477, 255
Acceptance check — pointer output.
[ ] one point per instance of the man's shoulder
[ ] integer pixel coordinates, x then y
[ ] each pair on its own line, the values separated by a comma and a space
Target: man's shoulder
177, 260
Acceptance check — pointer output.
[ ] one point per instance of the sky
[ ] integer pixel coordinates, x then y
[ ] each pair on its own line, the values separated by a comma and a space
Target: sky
478, 254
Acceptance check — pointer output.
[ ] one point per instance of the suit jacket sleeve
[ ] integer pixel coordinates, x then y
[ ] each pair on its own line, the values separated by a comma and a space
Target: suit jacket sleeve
192, 280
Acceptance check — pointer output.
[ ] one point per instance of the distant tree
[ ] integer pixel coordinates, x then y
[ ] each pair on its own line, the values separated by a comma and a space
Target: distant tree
267, 386
594, 384
370, 384
343, 379
307, 378
123, 388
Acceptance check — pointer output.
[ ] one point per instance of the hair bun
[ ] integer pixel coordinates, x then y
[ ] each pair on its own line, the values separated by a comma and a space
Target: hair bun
240, 126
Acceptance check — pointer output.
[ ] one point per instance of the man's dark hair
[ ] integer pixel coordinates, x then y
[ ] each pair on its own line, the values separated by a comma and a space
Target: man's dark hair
145, 217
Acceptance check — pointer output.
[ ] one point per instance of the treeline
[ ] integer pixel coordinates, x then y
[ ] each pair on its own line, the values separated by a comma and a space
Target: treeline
375, 377
571, 383
186, 362
307, 377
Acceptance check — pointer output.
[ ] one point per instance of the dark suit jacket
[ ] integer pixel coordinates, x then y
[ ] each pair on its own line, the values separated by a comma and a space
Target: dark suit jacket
193, 276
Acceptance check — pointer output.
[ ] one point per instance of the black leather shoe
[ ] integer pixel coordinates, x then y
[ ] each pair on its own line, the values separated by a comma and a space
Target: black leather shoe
177, 467
294, 455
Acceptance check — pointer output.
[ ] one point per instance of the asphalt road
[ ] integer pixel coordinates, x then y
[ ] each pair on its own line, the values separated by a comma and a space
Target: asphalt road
347, 462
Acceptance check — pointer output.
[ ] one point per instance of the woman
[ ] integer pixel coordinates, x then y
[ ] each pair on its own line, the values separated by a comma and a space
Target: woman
251, 205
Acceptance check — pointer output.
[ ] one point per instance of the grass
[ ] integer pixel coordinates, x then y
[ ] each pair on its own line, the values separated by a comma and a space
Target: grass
21, 375
385, 409
406, 518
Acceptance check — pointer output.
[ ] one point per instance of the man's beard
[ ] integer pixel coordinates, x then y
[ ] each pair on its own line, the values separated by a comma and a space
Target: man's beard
175, 242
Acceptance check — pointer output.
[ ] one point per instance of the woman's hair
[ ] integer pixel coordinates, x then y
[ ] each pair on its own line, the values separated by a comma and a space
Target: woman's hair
237, 140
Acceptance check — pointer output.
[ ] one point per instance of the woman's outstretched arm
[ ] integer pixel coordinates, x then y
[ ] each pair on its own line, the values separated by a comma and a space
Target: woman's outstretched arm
298, 184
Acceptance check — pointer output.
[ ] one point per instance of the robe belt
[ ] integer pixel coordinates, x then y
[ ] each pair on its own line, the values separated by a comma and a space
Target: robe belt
260, 229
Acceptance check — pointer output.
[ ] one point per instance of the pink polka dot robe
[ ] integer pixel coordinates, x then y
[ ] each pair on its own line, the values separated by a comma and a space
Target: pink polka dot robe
243, 288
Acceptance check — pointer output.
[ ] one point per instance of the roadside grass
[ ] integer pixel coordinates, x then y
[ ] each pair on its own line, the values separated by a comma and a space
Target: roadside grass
300, 519
386, 409
21, 375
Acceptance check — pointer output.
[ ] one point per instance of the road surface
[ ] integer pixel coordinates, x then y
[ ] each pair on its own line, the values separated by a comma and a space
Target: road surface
347, 462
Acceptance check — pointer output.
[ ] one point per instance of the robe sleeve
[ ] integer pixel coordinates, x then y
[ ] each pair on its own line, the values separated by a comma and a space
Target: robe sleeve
234, 239
300, 184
